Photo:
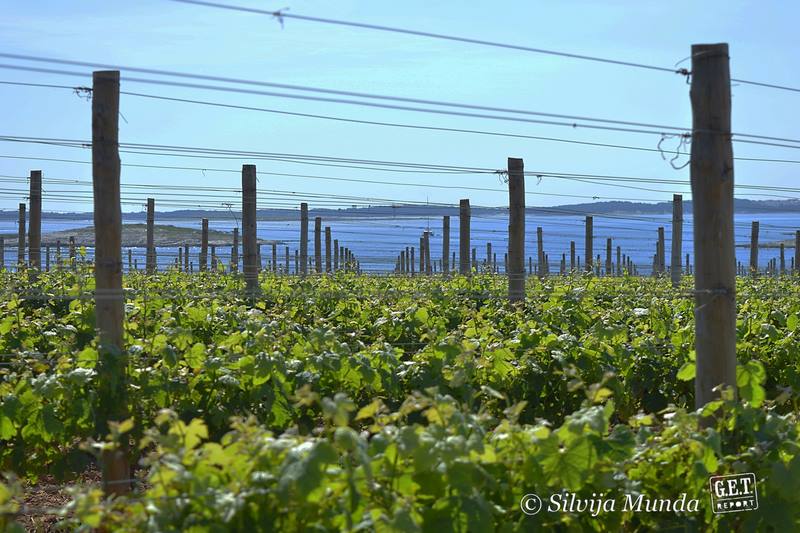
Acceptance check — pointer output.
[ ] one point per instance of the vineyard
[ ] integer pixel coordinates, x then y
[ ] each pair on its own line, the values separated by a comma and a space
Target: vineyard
396, 403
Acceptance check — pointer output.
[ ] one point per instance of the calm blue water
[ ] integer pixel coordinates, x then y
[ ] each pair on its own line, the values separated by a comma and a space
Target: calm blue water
377, 241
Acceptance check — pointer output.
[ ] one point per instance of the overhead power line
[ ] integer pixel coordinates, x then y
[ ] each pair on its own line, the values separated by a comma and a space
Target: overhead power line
282, 14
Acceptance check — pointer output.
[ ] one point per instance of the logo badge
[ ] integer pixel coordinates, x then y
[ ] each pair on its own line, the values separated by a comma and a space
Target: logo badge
530, 504
733, 493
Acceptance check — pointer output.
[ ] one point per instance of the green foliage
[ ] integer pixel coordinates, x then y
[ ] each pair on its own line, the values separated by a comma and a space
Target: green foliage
383, 410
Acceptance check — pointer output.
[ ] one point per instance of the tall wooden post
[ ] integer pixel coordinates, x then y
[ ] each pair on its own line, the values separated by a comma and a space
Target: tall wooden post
422, 254
412, 261
608, 257
428, 266
150, 264
46, 257
572, 256
35, 222
446, 245
179, 264
712, 205
754, 249
318, 244
677, 239
21, 238
72, 255
274, 257
109, 304
540, 250
783, 260
303, 238
619, 261
515, 267
589, 248
335, 255
797, 250
250, 257
297, 261
204, 246
186, 257
409, 261
489, 257
463, 238
328, 243
402, 261
235, 251
662, 256
474, 260
286, 262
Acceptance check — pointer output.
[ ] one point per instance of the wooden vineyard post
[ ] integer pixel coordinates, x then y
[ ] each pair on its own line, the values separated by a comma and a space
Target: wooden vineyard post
589, 248
46, 256
186, 258
619, 261
712, 206
21, 238
402, 269
446, 245
204, 247
754, 249
35, 222
250, 260
422, 254
783, 260
297, 261
274, 257
515, 266
318, 245
235, 251
572, 256
463, 238
409, 261
540, 250
662, 257
609, 272
796, 258
677, 239
150, 265
488, 265
328, 258
286, 261
3, 254
335, 255
428, 266
304, 238
109, 304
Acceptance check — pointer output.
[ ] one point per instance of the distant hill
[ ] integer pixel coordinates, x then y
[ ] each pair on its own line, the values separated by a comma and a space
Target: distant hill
741, 205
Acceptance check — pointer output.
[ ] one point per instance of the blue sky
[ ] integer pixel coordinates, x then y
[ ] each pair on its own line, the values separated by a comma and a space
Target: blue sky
166, 35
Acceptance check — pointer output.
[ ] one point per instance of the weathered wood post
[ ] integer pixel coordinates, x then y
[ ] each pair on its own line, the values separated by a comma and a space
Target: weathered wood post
474, 260
412, 261
754, 249
402, 261
662, 257
318, 245
463, 237
783, 260
540, 250
677, 239
515, 265
304, 238
109, 304
235, 251
796, 250
286, 261
186, 257
609, 272
572, 256
328, 257
446, 245
712, 206
297, 261
422, 254
46, 257
35, 221
150, 265
21, 238
619, 261
428, 265
589, 248
274, 257
250, 257
409, 260
335, 255
204, 246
